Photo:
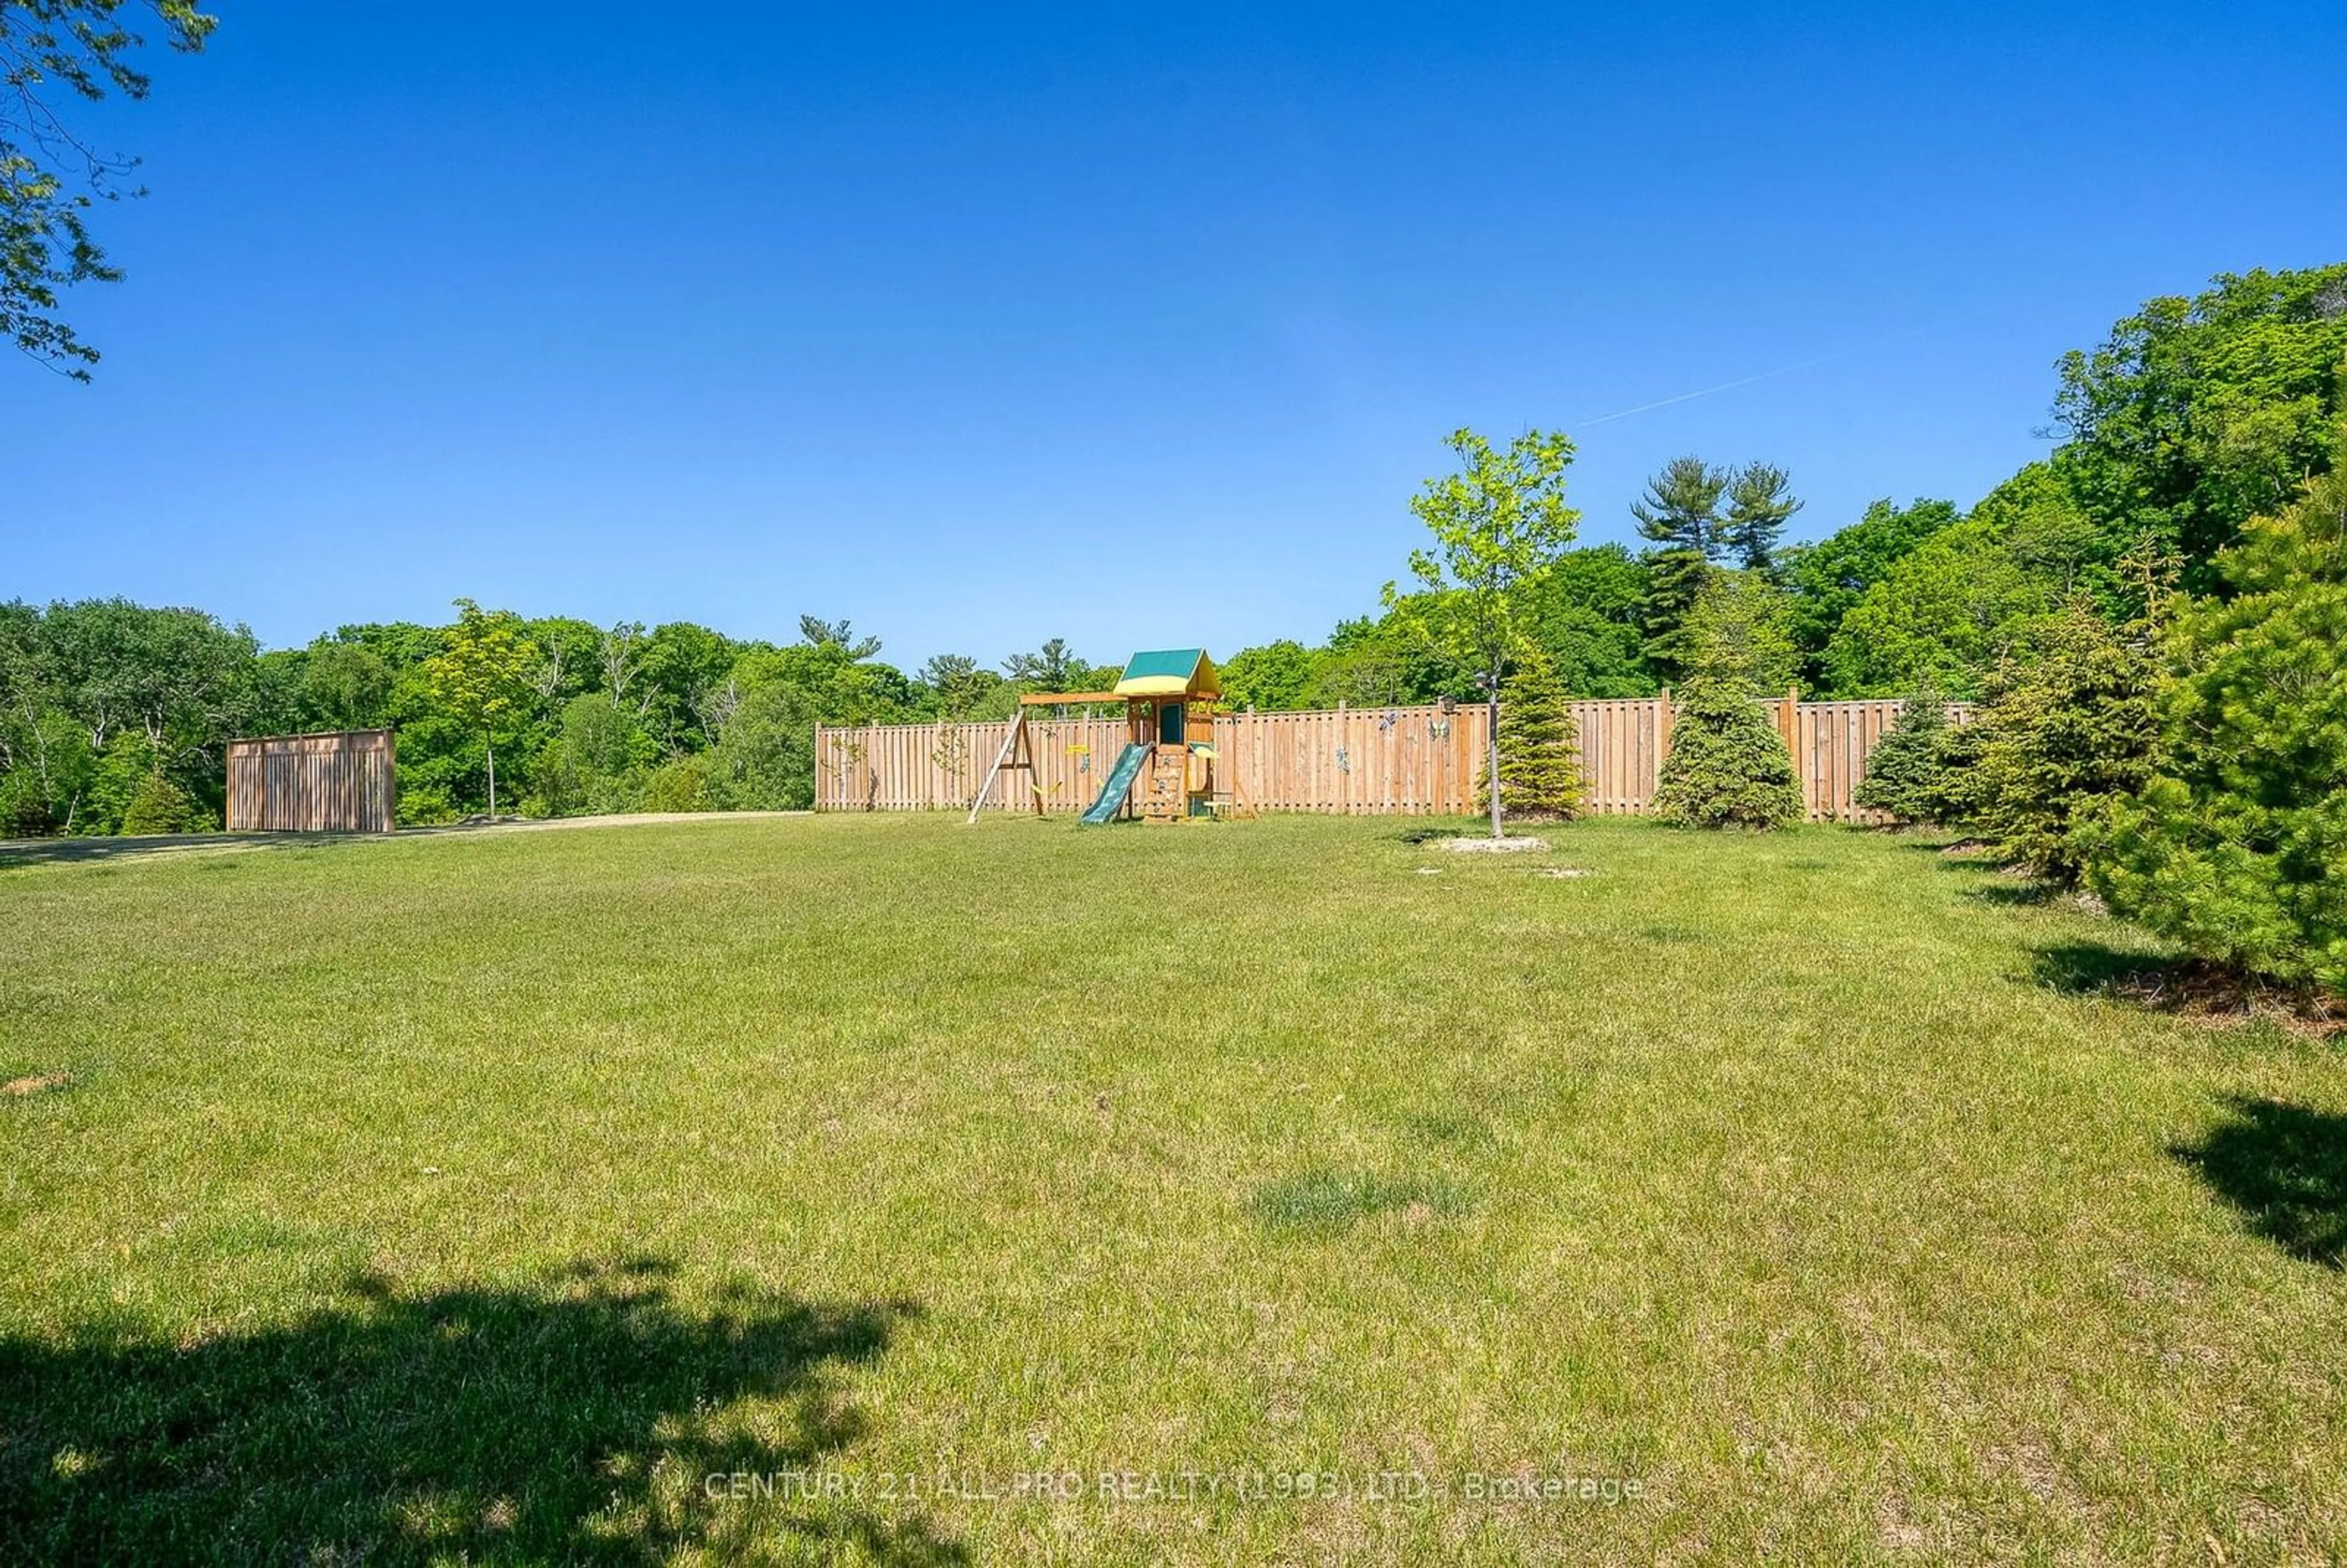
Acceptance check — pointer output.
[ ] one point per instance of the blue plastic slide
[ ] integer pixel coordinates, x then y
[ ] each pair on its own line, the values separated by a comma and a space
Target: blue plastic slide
1119, 785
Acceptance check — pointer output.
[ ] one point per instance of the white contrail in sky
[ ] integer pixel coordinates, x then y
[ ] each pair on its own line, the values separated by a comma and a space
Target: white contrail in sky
1764, 375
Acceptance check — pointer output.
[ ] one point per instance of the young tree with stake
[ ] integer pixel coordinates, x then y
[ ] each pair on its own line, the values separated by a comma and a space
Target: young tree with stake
1499, 524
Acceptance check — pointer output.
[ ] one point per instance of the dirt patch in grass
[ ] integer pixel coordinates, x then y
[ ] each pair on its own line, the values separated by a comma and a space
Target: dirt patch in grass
37, 1083
1516, 845
1450, 837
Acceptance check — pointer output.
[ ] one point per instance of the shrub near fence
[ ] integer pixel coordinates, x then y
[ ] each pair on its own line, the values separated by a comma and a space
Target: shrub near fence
1362, 761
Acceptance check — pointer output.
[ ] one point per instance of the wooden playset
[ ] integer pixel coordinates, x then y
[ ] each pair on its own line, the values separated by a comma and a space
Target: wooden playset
1166, 772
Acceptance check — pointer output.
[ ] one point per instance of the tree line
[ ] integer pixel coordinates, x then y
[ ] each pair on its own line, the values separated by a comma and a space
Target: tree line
114, 717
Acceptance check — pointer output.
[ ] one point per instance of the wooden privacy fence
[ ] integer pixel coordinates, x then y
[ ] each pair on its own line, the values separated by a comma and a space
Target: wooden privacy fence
1371, 761
339, 782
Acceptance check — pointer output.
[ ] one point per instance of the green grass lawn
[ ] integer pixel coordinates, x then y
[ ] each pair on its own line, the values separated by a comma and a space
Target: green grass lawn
486, 1195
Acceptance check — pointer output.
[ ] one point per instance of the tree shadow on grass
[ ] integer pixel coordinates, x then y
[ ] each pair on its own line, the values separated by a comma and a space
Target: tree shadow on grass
2191, 988
2015, 892
1991, 882
2285, 1168
2090, 969
22, 852
1435, 830
577, 1423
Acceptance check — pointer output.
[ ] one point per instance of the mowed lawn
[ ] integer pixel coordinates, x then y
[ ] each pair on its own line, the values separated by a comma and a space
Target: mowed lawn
871, 1188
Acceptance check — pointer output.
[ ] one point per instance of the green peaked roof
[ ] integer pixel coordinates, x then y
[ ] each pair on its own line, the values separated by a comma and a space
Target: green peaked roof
1181, 661
1170, 672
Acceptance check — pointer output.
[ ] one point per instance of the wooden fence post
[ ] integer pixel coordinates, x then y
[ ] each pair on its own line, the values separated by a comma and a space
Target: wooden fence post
1783, 716
1664, 716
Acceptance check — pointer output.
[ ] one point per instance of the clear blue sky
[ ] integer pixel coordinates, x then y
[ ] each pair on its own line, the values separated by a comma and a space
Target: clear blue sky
1135, 328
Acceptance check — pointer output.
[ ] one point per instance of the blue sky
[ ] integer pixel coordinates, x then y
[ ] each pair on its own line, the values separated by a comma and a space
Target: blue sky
1134, 327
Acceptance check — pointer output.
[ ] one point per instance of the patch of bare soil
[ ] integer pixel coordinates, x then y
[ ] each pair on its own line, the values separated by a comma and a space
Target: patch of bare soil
38, 1083
1516, 845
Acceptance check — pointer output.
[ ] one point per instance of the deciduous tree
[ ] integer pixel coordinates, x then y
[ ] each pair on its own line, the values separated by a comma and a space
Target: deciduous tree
1499, 524
764, 761
2197, 413
51, 174
1941, 615
345, 686
483, 677
1585, 617
1274, 678
1825, 578
1738, 629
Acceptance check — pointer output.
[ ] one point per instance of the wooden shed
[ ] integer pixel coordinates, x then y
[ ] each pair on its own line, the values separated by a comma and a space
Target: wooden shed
337, 782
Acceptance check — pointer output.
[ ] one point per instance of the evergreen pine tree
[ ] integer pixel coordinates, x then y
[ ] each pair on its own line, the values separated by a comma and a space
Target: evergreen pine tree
1760, 502
1953, 797
1680, 510
1540, 747
1674, 583
1727, 768
1906, 771
2237, 847
2064, 733
1679, 514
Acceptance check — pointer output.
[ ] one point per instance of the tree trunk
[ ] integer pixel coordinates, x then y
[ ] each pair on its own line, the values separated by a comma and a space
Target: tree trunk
490, 746
1492, 756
